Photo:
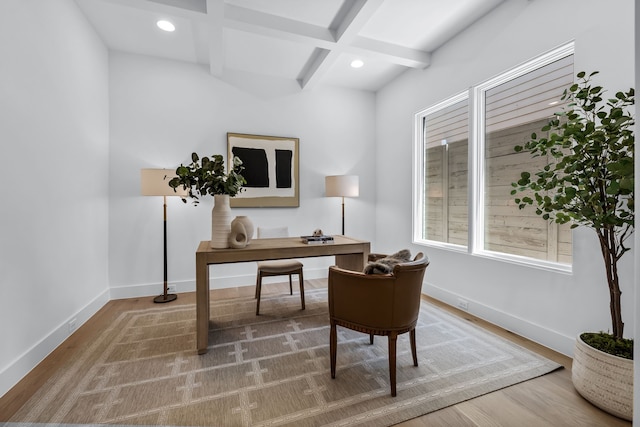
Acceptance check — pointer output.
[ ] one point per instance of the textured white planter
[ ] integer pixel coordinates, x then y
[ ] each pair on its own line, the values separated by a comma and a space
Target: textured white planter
603, 379
220, 221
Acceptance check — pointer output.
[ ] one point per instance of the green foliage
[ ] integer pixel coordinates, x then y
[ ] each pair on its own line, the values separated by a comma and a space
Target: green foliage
607, 343
589, 178
207, 176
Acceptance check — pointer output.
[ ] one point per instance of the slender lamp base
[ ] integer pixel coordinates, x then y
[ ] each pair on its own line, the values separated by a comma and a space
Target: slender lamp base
165, 297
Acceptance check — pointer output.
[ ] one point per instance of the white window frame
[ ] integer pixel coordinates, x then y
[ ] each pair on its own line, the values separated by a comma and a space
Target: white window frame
476, 96
419, 173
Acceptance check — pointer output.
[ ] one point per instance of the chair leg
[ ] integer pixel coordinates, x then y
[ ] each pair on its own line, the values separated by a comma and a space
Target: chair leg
333, 348
290, 285
258, 292
257, 283
371, 339
392, 363
301, 280
412, 336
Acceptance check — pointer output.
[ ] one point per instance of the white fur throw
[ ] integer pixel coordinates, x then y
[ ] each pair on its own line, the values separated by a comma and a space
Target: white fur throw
385, 265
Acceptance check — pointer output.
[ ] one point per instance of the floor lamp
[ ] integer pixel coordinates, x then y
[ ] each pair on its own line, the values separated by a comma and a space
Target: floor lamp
342, 186
155, 182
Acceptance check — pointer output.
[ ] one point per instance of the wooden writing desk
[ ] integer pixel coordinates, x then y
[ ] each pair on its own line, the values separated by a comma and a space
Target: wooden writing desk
350, 254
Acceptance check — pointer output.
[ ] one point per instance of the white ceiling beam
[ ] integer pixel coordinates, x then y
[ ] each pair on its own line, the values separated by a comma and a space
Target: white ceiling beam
340, 37
265, 24
397, 54
352, 17
173, 7
315, 67
193, 5
349, 20
286, 29
215, 23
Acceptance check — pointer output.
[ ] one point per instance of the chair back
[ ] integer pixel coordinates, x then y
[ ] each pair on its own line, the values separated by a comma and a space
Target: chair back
382, 302
408, 289
272, 232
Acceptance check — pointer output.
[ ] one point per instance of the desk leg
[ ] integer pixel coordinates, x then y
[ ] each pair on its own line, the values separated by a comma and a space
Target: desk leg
202, 303
353, 262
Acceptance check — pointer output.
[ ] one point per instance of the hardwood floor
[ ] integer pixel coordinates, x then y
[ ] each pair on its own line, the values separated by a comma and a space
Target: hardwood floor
549, 400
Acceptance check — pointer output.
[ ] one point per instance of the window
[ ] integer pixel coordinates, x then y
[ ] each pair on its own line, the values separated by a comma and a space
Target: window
463, 179
444, 148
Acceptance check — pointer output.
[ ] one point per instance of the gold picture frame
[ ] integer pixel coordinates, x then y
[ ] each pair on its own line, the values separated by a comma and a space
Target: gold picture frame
271, 170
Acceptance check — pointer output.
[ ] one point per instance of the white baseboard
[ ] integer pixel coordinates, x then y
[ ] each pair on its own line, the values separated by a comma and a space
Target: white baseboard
16, 370
536, 333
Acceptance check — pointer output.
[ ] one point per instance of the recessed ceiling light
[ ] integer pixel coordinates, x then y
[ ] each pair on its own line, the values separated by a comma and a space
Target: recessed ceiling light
357, 63
166, 25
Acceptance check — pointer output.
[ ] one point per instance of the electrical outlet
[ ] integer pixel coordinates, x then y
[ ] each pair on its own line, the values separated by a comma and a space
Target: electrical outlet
171, 289
73, 324
463, 304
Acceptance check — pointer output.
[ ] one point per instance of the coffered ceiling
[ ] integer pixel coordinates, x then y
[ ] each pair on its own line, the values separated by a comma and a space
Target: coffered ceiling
306, 42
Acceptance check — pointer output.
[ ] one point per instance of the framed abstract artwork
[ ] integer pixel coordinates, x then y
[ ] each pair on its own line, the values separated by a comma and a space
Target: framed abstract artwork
270, 168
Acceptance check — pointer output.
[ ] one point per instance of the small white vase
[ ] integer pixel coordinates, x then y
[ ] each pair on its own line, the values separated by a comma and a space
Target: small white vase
248, 226
238, 236
220, 222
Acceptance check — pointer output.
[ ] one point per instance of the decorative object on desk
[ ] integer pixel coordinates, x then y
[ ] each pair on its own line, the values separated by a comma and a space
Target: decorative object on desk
241, 232
248, 226
342, 186
270, 170
207, 176
155, 182
317, 232
317, 239
589, 181
220, 221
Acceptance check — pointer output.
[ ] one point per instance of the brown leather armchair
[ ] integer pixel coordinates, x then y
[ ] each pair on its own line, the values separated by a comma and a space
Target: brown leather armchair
377, 304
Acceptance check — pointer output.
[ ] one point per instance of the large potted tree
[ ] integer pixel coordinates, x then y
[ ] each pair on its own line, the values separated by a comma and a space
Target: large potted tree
589, 181
208, 176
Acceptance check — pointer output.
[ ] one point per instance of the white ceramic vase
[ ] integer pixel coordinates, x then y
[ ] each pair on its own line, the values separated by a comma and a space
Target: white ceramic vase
248, 225
238, 237
220, 221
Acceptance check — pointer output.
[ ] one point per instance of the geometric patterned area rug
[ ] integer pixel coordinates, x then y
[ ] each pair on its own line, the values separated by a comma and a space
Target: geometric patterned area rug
272, 369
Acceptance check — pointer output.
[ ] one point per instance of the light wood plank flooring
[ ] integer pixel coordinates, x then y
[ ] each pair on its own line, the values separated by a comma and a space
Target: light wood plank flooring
549, 400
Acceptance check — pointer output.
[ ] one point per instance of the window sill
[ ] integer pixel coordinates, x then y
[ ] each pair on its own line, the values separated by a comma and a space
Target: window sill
513, 259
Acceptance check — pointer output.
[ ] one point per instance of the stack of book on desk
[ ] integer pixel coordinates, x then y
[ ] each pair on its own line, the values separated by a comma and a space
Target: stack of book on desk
317, 240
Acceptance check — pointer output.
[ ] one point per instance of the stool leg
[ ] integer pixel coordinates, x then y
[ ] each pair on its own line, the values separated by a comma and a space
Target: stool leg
258, 292
301, 280
412, 336
257, 282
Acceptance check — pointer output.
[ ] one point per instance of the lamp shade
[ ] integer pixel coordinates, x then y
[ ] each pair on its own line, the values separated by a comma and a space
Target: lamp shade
155, 182
342, 186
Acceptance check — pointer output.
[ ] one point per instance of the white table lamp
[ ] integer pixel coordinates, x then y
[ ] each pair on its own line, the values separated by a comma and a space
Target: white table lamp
342, 186
155, 182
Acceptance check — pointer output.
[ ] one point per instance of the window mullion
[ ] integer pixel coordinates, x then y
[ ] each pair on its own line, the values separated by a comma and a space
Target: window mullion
476, 168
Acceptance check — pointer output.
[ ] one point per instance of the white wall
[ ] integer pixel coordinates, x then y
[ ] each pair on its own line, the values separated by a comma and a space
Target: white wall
54, 154
162, 111
551, 308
